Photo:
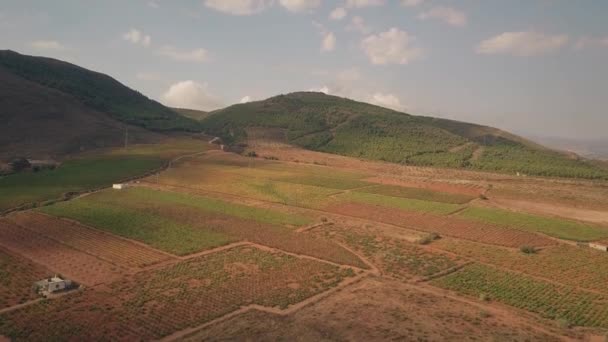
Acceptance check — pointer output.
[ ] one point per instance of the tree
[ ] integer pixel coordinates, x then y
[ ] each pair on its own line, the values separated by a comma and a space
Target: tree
20, 164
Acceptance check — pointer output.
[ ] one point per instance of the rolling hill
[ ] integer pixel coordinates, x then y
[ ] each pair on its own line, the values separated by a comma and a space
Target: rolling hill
51, 108
332, 124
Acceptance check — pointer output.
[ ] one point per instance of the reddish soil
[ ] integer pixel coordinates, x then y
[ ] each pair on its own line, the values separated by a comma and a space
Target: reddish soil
443, 225
102, 245
460, 189
551, 209
18, 276
59, 258
381, 310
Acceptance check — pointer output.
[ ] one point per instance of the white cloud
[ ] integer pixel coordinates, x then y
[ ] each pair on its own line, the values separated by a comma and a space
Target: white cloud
363, 3
153, 4
349, 75
324, 89
411, 3
239, 7
391, 47
329, 42
585, 42
137, 37
191, 95
525, 43
246, 99
449, 15
300, 5
338, 13
199, 55
358, 24
387, 100
47, 45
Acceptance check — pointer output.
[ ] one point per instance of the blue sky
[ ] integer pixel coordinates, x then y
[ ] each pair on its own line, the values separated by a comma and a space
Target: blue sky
535, 67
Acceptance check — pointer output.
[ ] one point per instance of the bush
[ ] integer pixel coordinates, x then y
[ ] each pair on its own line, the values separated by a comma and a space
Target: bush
252, 154
324, 219
484, 297
429, 238
528, 249
20, 164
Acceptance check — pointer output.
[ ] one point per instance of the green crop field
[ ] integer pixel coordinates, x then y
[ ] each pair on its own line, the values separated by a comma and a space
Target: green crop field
550, 300
416, 193
398, 203
568, 265
157, 231
330, 182
89, 171
559, 228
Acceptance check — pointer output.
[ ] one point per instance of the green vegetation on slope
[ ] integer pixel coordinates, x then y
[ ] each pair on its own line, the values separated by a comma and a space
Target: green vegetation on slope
337, 125
399, 203
97, 91
559, 228
415, 193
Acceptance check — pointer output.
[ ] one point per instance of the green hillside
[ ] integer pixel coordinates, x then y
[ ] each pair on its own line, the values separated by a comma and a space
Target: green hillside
97, 91
337, 125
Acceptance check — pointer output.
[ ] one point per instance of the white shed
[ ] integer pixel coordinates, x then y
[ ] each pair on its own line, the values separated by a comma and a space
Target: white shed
119, 186
53, 284
599, 245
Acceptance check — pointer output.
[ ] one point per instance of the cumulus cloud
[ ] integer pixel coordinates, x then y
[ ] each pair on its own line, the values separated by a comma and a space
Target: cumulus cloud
239, 7
411, 3
448, 15
358, 24
300, 5
363, 3
199, 55
137, 37
586, 42
47, 45
329, 42
391, 47
387, 100
525, 43
338, 13
324, 89
246, 99
191, 95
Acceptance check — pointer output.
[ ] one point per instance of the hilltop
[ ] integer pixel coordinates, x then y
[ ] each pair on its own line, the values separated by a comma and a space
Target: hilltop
52, 108
326, 123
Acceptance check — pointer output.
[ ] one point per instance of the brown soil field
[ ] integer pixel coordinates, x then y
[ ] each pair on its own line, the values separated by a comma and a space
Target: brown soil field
449, 226
380, 310
57, 257
17, 278
105, 246
459, 189
550, 209
153, 304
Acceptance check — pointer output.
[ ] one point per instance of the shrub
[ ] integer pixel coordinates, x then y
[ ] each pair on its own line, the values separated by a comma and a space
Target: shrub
429, 238
252, 154
484, 297
563, 323
324, 219
528, 249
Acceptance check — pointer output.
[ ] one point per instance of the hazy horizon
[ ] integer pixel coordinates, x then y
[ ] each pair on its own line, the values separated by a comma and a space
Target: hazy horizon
535, 68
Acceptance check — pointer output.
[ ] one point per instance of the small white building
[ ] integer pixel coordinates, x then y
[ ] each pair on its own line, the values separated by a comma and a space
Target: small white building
53, 284
599, 245
119, 186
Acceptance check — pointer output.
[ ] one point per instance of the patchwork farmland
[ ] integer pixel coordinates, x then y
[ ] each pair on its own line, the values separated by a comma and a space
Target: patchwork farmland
218, 237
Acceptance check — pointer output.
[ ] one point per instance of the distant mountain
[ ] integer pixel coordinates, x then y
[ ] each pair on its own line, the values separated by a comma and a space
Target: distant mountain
332, 124
590, 148
192, 113
52, 108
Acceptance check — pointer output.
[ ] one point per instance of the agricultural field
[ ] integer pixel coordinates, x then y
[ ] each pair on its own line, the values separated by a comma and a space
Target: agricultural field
449, 226
74, 264
418, 193
17, 275
90, 171
559, 228
154, 304
565, 304
394, 258
568, 265
105, 246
